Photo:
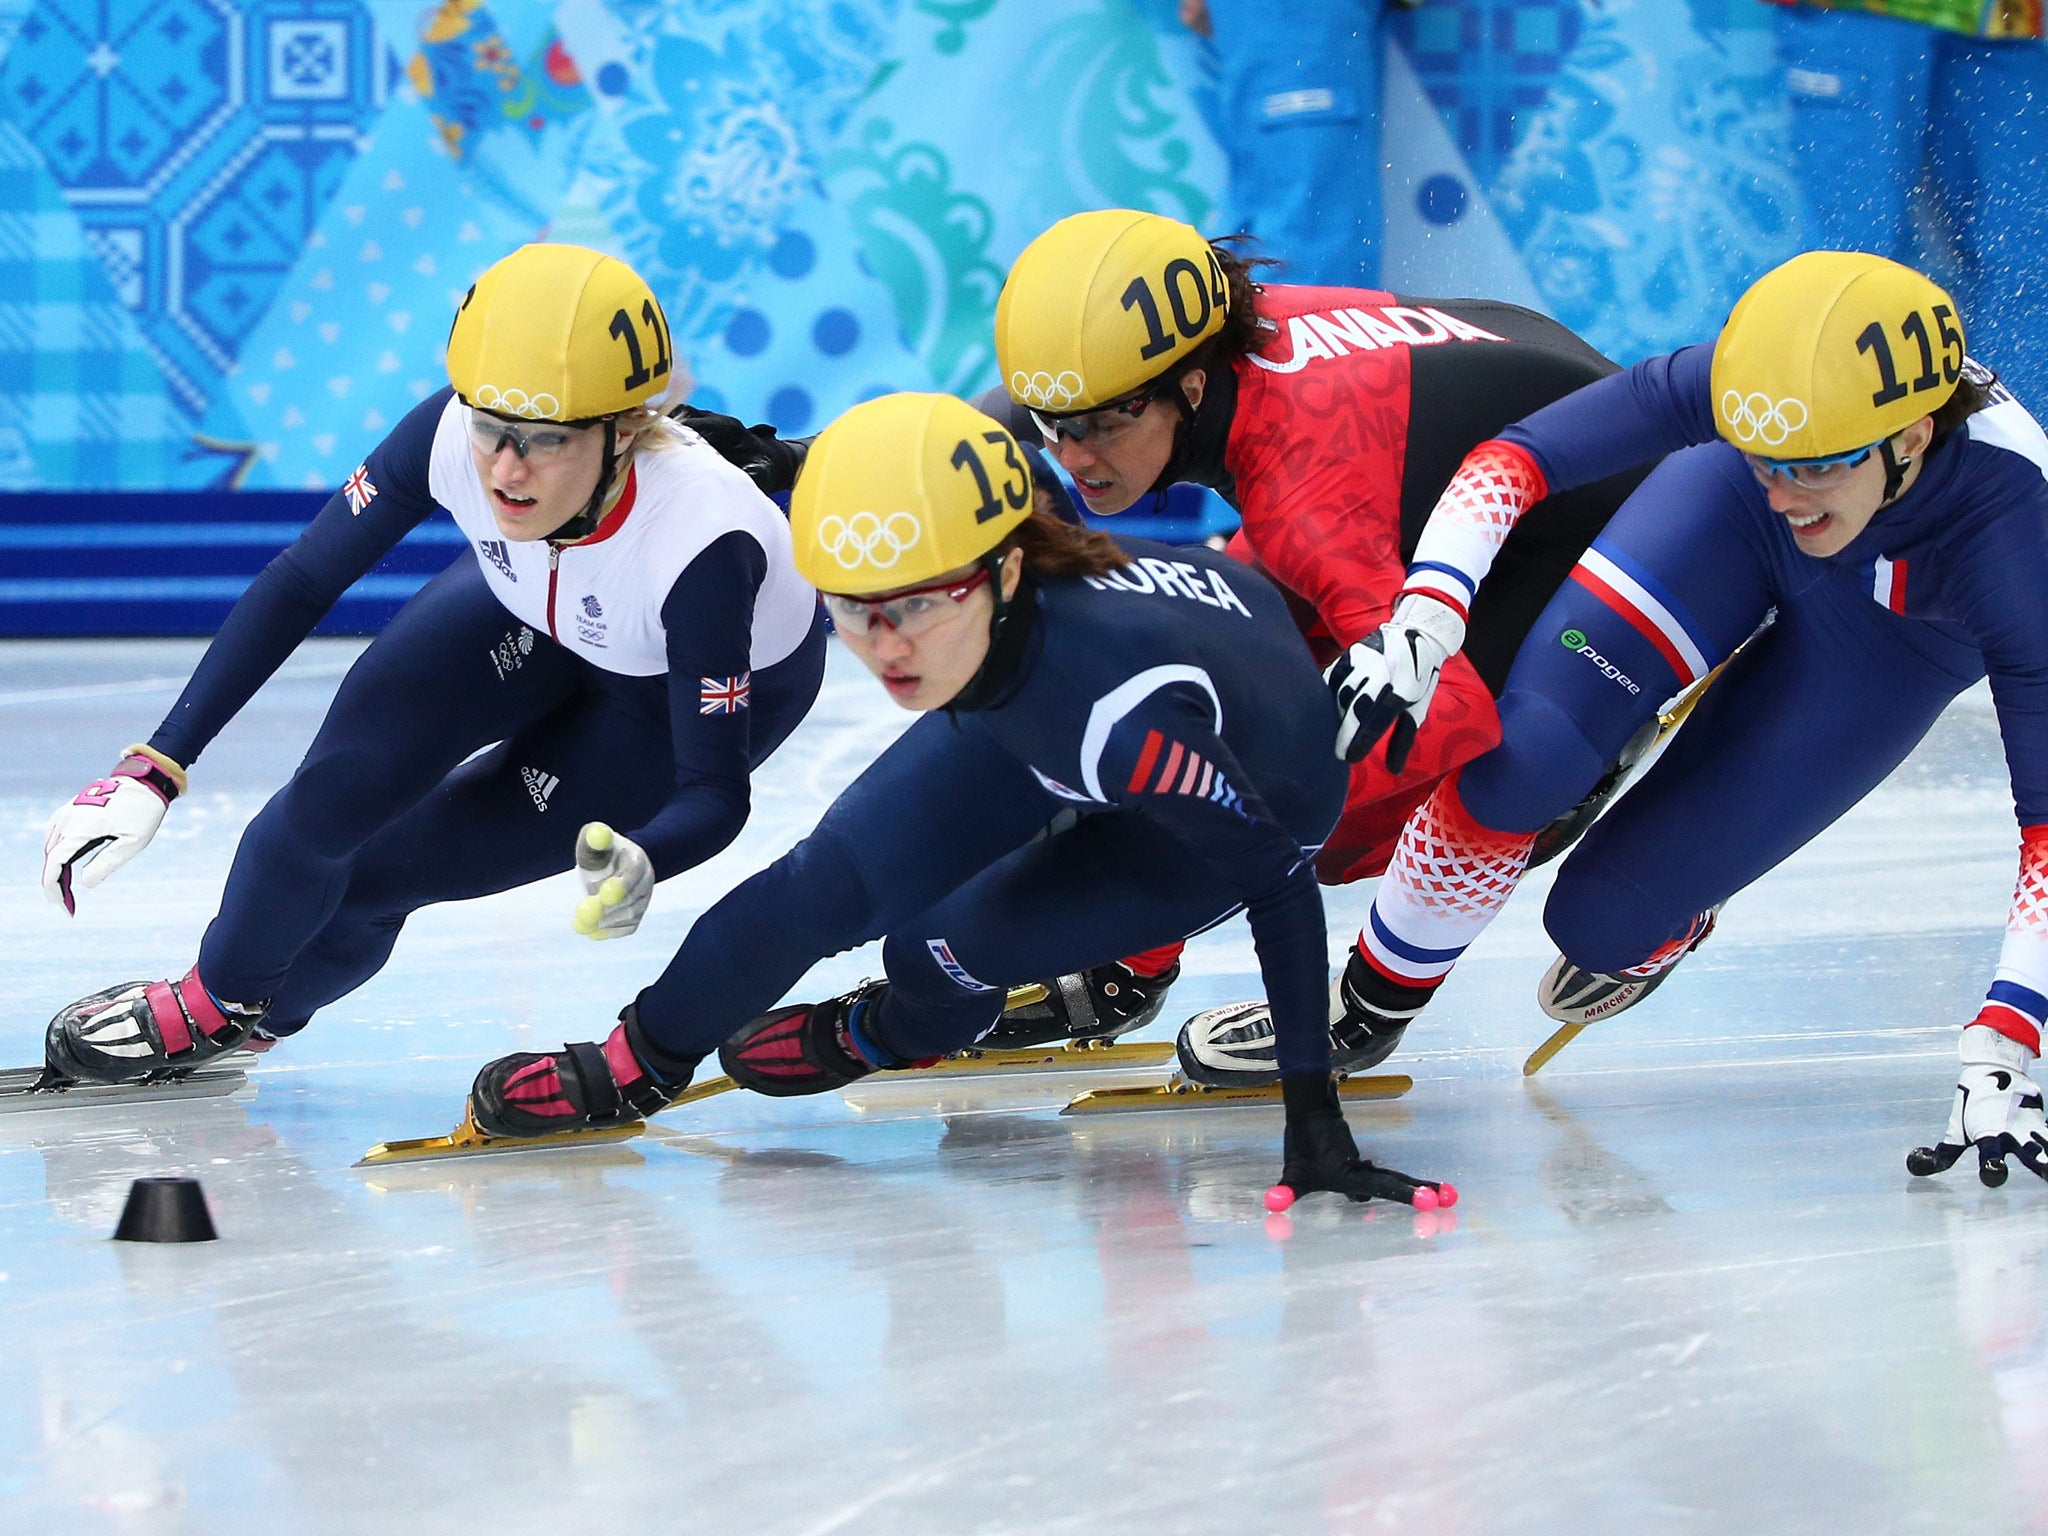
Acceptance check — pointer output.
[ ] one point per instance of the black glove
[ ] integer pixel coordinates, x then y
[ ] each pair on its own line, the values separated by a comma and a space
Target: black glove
1320, 1154
767, 460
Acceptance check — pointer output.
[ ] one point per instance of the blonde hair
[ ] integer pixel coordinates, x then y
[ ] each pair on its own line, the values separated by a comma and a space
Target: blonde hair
653, 429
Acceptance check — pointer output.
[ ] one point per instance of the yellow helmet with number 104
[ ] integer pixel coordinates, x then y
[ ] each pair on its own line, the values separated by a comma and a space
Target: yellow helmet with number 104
1831, 352
901, 490
559, 333
1102, 304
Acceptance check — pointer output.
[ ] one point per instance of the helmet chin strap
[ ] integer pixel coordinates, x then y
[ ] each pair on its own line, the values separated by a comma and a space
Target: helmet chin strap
1894, 472
1009, 626
584, 523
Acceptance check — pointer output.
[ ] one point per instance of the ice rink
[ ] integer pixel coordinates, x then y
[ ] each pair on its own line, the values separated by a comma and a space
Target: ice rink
1690, 1286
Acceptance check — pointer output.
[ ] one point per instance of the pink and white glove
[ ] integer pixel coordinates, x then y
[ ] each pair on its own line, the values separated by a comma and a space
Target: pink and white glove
110, 821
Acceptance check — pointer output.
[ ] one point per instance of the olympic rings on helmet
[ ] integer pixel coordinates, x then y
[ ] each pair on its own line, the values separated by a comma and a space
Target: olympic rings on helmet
517, 402
1759, 418
1044, 390
867, 539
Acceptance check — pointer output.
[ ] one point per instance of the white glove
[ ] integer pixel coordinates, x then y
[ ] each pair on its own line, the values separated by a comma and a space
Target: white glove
1997, 1111
1386, 680
620, 880
110, 822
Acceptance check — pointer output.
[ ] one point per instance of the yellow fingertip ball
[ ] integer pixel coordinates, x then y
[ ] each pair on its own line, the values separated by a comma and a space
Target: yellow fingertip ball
612, 892
599, 836
589, 913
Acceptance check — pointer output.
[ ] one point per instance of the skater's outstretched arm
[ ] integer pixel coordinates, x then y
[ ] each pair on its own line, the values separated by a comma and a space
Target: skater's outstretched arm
113, 819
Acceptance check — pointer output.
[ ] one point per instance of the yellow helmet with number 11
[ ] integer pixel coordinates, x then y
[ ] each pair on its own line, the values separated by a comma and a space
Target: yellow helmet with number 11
559, 333
1831, 352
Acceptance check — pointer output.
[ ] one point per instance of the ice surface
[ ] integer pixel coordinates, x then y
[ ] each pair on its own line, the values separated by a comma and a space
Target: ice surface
1690, 1287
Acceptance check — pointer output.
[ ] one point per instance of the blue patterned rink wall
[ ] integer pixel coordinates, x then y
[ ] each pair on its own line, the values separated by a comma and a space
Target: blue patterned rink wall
232, 231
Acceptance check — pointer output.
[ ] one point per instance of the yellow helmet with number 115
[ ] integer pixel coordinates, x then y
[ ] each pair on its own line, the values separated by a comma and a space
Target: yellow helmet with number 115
1102, 304
559, 333
901, 490
1832, 352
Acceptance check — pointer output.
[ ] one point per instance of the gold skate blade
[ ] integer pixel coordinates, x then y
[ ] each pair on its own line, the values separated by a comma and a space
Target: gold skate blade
1541, 1056
1061, 1056
468, 1140
1179, 1093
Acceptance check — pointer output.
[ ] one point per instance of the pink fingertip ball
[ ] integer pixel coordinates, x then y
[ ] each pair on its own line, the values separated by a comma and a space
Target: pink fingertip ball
1447, 1195
1279, 1198
1425, 1199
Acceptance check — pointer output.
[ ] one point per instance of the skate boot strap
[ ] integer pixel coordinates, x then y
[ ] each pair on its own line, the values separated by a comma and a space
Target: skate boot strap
181, 1006
601, 1097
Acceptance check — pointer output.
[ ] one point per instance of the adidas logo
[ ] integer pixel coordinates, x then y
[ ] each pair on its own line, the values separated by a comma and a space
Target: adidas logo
539, 785
494, 551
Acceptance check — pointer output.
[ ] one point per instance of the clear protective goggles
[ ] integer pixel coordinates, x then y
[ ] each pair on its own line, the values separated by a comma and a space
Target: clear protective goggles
1810, 474
541, 443
907, 613
1106, 421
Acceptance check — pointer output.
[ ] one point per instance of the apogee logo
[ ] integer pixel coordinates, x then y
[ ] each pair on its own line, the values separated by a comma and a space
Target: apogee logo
1574, 640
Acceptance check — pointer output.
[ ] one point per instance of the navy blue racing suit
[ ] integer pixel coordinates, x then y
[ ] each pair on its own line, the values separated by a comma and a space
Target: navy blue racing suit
1160, 759
391, 811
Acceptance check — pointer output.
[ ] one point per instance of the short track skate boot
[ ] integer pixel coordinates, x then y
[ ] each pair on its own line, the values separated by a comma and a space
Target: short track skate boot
1097, 1004
145, 1030
811, 1047
1234, 1047
1575, 996
1556, 838
581, 1086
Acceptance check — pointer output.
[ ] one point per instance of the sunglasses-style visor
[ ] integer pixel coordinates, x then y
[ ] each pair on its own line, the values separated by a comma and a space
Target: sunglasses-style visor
1103, 419
1810, 474
908, 613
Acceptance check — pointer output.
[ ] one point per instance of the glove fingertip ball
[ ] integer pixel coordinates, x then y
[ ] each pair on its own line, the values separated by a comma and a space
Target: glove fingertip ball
1426, 1199
1279, 1198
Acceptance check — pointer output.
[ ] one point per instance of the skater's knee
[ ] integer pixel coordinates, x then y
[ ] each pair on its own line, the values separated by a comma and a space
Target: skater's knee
1605, 920
935, 1005
1544, 765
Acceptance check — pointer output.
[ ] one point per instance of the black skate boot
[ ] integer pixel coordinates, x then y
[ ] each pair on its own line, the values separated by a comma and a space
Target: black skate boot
144, 1031
581, 1086
811, 1047
1575, 996
1096, 1004
1233, 1046
1556, 838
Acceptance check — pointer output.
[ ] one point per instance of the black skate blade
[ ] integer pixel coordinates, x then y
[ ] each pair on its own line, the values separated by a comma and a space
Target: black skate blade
27, 1088
468, 1140
1179, 1093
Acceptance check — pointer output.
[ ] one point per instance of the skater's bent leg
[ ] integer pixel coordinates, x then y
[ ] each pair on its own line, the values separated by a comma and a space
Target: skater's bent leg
429, 691
942, 803
1805, 723
481, 831
1104, 889
1673, 586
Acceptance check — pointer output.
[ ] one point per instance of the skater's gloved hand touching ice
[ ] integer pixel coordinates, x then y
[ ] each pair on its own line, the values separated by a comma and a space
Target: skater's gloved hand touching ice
619, 881
110, 821
1320, 1154
1997, 1111
1384, 682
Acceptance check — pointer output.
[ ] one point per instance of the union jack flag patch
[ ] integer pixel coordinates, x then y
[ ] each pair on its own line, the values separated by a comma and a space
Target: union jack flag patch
358, 490
724, 695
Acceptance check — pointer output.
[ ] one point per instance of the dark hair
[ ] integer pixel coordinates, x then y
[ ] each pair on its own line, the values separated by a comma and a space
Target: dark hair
1055, 547
1974, 393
